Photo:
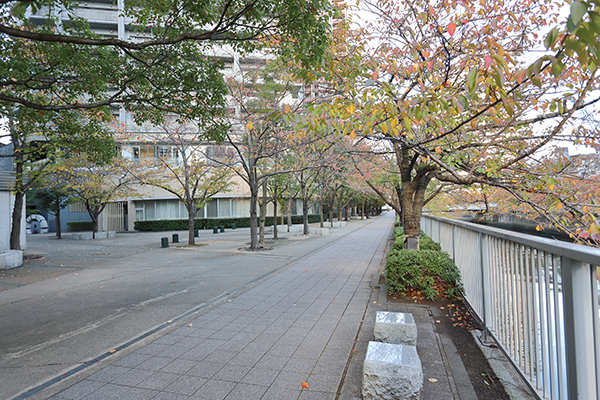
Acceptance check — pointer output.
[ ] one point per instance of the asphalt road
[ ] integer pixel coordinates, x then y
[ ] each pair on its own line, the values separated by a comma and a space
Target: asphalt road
74, 300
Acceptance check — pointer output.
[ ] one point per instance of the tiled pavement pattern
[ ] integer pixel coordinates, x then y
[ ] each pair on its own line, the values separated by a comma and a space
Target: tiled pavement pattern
299, 326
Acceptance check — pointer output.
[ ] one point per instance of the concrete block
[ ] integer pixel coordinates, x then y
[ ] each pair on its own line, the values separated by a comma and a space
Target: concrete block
101, 235
85, 236
11, 259
395, 327
319, 231
392, 372
112, 234
75, 236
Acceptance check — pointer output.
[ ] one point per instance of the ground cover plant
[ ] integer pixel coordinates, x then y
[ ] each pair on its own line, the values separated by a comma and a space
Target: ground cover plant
427, 272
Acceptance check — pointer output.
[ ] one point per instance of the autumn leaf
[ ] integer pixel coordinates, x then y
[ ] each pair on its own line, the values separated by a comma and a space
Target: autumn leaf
451, 28
304, 385
249, 125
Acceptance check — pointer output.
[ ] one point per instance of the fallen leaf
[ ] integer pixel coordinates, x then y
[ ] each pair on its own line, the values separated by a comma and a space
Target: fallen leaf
432, 380
112, 351
304, 385
169, 321
190, 325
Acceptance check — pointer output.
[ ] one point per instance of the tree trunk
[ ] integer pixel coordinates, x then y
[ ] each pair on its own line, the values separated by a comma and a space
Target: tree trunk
253, 219
340, 200
331, 203
58, 227
321, 213
191, 214
289, 210
362, 213
304, 210
15, 232
17, 212
263, 214
275, 218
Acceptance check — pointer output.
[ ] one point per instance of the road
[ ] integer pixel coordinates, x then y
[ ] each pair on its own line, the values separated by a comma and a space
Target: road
75, 300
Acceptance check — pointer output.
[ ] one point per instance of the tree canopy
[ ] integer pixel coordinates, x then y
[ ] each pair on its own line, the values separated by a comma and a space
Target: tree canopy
53, 59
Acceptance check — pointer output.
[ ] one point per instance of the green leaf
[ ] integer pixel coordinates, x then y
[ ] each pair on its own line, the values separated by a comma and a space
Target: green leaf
472, 80
557, 68
571, 27
578, 10
551, 38
536, 81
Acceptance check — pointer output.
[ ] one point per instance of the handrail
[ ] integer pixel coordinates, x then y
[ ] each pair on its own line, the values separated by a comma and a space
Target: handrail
537, 297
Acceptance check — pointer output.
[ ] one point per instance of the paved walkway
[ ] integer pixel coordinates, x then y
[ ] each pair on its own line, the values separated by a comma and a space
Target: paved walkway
309, 323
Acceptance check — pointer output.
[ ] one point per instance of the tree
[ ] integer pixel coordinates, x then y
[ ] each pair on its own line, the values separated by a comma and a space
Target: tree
52, 199
453, 90
95, 184
41, 138
183, 167
262, 129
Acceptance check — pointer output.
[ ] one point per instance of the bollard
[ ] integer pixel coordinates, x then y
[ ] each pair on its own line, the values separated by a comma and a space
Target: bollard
215, 230
222, 229
164, 242
233, 225
196, 233
175, 238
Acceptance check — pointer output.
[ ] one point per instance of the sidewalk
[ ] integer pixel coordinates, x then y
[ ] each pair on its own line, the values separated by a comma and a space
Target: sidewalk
309, 323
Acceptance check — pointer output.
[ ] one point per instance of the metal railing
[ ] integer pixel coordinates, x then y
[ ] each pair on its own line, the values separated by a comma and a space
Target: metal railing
537, 297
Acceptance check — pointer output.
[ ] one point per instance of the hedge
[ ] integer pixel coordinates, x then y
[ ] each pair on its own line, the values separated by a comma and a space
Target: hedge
428, 270
80, 226
209, 223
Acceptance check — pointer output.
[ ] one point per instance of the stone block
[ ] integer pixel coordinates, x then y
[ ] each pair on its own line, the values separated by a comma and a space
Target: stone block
85, 236
11, 259
391, 372
112, 234
101, 235
395, 327
75, 236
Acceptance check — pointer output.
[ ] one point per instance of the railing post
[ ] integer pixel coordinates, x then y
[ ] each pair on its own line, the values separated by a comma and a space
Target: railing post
485, 280
580, 328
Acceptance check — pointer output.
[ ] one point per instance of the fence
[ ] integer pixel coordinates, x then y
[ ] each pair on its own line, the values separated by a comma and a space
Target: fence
537, 297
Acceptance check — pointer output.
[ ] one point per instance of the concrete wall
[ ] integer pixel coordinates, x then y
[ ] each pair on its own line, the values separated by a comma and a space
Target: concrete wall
7, 201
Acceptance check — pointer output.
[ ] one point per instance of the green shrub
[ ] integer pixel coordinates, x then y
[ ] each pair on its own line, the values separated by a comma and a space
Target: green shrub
209, 223
80, 226
425, 242
430, 272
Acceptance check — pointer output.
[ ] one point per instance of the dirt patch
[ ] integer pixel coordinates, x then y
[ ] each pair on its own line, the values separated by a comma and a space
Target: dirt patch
454, 320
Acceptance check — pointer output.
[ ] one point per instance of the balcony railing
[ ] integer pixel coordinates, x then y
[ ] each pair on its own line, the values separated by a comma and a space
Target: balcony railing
537, 297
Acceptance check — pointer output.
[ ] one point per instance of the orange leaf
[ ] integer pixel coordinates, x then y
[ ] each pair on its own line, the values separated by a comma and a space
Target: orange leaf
304, 385
451, 28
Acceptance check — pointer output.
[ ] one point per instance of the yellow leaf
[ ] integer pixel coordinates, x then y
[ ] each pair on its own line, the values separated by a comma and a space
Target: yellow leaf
249, 125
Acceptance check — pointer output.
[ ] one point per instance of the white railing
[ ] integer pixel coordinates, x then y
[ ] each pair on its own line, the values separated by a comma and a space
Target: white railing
537, 297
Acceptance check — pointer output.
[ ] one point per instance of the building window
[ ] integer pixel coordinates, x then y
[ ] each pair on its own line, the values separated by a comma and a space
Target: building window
77, 207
